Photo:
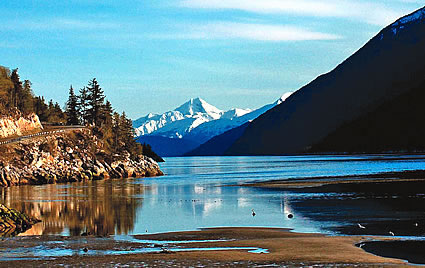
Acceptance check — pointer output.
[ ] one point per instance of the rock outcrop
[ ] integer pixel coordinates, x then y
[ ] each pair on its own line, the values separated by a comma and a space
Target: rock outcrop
68, 157
13, 222
18, 125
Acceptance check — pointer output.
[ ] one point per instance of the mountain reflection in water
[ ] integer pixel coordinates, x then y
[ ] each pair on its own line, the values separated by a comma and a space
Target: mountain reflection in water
97, 208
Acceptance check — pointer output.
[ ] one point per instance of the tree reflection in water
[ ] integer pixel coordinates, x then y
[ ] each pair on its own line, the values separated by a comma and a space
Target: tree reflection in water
94, 208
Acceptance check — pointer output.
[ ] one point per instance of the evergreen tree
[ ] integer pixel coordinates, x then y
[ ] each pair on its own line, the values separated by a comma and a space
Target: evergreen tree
83, 105
72, 109
27, 98
116, 133
41, 109
16, 92
96, 100
6, 86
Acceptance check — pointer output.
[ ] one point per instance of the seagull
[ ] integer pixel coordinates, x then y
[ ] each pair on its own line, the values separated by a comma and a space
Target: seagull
253, 213
361, 226
416, 224
391, 233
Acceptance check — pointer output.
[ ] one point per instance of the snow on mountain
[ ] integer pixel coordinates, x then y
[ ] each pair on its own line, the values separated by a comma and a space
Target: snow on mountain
403, 22
175, 124
216, 127
197, 120
199, 108
235, 113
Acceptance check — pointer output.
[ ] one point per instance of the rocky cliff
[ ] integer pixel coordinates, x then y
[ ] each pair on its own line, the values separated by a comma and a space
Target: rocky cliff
67, 157
18, 125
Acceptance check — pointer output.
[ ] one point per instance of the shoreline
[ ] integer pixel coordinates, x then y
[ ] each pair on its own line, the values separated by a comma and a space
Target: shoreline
310, 182
284, 247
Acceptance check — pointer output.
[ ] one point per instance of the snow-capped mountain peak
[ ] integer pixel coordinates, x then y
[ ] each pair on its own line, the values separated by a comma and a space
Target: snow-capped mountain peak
198, 106
197, 119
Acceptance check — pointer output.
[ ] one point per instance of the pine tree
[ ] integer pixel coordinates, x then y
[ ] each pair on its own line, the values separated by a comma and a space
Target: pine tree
27, 98
72, 109
96, 100
83, 105
116, 133
41, 109
16, 92
6, 86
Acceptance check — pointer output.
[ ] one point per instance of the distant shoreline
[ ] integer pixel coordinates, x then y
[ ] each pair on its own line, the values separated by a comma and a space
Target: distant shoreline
307, 182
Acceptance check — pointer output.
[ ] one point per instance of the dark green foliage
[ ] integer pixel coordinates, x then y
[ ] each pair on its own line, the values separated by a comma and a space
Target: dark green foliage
115, 130
88, 108
17, 95
27, 98
6, 86
71, 109
96, 100
147, 150
83, 105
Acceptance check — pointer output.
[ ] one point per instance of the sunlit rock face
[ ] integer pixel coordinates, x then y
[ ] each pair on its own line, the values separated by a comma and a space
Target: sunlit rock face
10, 126
67, 157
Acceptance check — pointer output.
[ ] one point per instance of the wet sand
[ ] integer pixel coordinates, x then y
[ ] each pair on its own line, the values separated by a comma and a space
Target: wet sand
387, 177
285, 248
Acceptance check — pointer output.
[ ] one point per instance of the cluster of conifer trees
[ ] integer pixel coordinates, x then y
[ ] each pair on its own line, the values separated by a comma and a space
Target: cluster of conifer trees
90, 108
17, 95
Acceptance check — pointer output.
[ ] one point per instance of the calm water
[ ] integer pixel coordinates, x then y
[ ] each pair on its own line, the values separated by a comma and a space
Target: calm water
192, 195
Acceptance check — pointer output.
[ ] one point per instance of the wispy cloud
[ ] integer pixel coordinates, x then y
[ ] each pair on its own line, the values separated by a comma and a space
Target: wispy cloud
59, 24
369, 12
248, 31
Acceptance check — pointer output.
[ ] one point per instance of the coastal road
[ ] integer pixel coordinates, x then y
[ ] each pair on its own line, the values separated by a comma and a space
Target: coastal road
47, 132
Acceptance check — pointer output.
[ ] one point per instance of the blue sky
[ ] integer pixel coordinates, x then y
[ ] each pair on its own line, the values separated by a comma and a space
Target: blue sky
151, 56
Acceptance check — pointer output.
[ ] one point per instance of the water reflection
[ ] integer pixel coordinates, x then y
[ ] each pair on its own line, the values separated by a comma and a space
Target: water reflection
97, 208
191, 196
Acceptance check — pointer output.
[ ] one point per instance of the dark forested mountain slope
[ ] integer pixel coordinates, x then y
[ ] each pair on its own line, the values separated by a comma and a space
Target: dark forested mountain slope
395, 126
390, 64
220, 143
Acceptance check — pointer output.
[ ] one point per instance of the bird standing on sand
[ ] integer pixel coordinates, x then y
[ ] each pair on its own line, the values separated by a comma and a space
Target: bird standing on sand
361, 226
253, 213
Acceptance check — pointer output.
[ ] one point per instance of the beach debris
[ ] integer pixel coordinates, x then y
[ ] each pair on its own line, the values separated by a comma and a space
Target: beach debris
85, 249
391, 233
253, 213
361, 226
166, 251
290, 216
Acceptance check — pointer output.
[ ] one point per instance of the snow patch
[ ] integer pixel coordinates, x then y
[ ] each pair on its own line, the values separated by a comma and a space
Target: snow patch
414, 17
198, 120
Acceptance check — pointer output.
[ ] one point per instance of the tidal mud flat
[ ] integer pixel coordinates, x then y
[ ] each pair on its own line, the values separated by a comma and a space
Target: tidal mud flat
216, 247
99, 223
402, 192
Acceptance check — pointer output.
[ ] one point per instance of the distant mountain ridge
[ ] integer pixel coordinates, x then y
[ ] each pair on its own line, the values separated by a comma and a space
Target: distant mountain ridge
389, 65
192, 124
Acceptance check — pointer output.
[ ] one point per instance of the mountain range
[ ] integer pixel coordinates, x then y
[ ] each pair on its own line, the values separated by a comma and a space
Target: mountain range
352, 107
178, 131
